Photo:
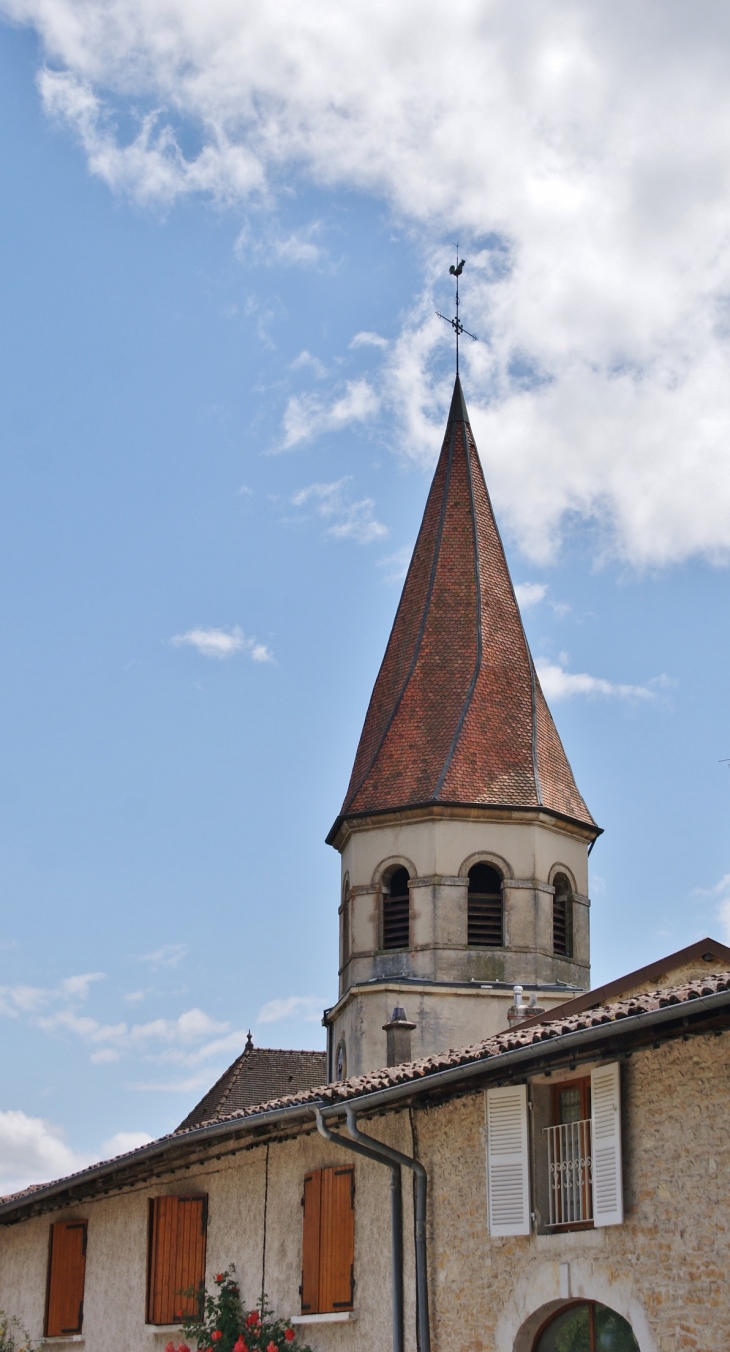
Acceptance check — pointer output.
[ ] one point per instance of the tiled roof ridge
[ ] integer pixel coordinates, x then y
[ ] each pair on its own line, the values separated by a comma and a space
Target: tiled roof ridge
643, 1002
457, 715
224, 1089
510, 1040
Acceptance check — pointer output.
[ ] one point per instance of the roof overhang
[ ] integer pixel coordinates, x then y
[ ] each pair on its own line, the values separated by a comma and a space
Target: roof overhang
615, 1036
346, 823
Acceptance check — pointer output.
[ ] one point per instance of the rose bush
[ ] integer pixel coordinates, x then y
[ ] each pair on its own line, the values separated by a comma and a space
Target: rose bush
225, 1326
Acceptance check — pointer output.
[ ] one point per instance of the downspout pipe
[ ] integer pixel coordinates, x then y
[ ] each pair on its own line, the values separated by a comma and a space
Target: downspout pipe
387, 1153
396, 1220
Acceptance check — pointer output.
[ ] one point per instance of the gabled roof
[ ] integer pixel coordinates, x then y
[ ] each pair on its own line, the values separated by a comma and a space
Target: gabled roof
694, 956
642, 1019
457, 715
258, 1074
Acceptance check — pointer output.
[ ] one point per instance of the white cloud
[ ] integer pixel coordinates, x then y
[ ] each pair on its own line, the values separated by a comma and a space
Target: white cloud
529, 594
34, 1151
585, 154
15, 1000
170, 955
308, 415
396, 564
77, 987
270, 246
348, 520
366, 339
557, 684
306, 360
721, 892
123, 1141
190, 1085
222, 643
306, 1007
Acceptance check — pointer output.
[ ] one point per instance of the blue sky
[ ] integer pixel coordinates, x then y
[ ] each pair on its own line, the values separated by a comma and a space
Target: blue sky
223, 389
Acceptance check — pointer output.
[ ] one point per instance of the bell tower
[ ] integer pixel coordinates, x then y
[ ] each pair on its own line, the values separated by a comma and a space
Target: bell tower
463, 836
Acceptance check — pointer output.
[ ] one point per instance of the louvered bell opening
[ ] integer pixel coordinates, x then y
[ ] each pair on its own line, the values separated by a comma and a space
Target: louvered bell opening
396, 907
562, 916
485, 922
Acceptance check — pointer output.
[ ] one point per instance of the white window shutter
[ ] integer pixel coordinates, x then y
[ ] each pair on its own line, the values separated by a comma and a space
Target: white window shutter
608, 1202
508, 1171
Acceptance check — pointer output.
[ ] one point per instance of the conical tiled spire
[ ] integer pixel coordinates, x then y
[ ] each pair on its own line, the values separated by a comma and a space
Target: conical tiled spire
457, 715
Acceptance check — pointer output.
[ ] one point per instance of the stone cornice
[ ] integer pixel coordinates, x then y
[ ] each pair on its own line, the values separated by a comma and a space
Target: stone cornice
479, 812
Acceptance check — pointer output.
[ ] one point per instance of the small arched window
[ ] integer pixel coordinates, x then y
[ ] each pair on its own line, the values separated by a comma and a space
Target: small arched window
396, 908
584, 1326
562, 917
485, 926
345, 926
341, 1061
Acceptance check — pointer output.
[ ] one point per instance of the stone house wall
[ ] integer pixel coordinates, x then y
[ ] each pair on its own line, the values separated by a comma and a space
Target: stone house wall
665, 1269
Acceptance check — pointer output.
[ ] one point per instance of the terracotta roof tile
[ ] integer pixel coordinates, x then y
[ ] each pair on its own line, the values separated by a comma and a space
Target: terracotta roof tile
413, 1071
259, 1073
457, 714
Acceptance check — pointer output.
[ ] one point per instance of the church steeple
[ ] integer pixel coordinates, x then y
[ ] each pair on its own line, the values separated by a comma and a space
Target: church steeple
457, 714
463, 835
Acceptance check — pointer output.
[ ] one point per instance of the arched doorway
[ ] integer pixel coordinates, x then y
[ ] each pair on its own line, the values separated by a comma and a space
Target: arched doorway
585, 1326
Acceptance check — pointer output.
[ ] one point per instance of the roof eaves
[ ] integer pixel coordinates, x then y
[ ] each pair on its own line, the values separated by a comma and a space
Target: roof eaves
553, 1044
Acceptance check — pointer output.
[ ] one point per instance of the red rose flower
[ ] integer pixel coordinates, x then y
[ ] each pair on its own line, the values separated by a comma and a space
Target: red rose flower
239, 1345
271, 1347
252, 1318
216, 1335
183, 1348
290, 1335
220, 1277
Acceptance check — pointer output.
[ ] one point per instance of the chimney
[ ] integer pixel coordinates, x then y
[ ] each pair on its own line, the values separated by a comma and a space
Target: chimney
398, 1037
519, 1011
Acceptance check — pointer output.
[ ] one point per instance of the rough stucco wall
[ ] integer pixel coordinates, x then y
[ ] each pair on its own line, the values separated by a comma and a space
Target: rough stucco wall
665, 1269
114, 1301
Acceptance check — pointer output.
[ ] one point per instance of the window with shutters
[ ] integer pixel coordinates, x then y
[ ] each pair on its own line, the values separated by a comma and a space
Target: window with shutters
328, 1241
396, 911
508, 1169
176, 1258
576, 1151
485, 923
66, 1273
562, 917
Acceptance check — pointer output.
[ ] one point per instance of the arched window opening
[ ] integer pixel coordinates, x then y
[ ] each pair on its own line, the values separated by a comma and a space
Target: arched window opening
341, 1061
396, 907
345, 926
587, 1327
562, 917
485, 924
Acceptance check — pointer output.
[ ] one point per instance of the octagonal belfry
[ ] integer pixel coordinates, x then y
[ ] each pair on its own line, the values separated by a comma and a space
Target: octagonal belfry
463, 836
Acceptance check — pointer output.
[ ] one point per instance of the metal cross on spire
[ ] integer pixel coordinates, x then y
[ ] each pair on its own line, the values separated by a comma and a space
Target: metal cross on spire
456, 323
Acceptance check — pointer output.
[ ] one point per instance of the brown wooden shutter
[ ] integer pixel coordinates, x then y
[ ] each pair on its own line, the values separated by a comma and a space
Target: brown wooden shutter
177, 1235
337, 1240
311, 1201
66, 1272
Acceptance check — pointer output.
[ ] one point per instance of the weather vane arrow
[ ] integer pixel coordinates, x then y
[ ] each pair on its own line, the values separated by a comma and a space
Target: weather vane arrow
456, 324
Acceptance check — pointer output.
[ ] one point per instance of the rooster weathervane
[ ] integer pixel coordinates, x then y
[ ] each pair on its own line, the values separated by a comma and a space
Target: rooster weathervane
456, 324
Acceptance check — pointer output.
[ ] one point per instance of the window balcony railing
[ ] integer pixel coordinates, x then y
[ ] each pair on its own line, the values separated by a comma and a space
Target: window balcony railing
569, 1170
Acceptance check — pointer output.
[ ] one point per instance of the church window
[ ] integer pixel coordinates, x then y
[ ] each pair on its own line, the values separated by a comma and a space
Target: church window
66, 1273
328, 1241
175, 1257
396, 909
341, 1060
562, 917
485, 911
345, 926
587, 1326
